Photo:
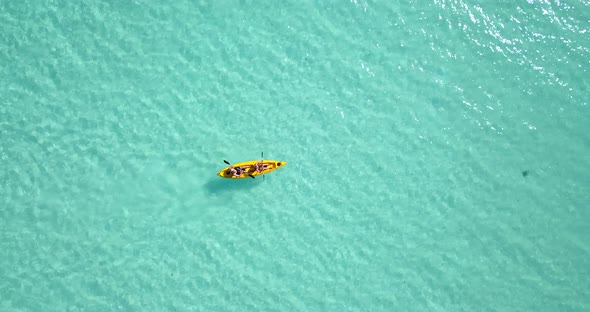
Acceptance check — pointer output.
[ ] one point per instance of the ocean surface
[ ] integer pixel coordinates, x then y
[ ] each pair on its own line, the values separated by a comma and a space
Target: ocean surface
438, 155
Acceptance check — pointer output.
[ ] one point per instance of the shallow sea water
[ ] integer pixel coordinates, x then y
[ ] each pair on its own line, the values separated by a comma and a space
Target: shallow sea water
437, 156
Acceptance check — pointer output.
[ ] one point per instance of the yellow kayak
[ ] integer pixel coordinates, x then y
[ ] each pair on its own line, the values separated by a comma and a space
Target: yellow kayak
248, 168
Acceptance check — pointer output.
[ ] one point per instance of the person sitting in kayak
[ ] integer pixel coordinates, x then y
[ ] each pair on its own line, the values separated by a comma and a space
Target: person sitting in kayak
259, 166
235, 171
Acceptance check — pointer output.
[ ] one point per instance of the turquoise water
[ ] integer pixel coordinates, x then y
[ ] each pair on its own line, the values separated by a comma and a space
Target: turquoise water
437, 156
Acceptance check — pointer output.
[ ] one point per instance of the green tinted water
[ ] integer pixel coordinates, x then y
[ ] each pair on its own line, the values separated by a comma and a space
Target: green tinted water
437, 156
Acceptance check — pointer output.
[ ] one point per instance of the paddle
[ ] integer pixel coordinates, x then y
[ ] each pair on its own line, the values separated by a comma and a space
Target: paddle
262, 161
251, 176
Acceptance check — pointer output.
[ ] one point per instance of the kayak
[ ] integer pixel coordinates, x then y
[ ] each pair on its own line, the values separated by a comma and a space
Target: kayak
248, 168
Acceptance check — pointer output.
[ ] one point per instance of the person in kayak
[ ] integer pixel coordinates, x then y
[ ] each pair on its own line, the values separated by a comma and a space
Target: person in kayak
235, 171
259, 166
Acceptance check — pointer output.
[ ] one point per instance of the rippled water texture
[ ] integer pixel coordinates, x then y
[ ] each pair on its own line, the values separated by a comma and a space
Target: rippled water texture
437, 156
